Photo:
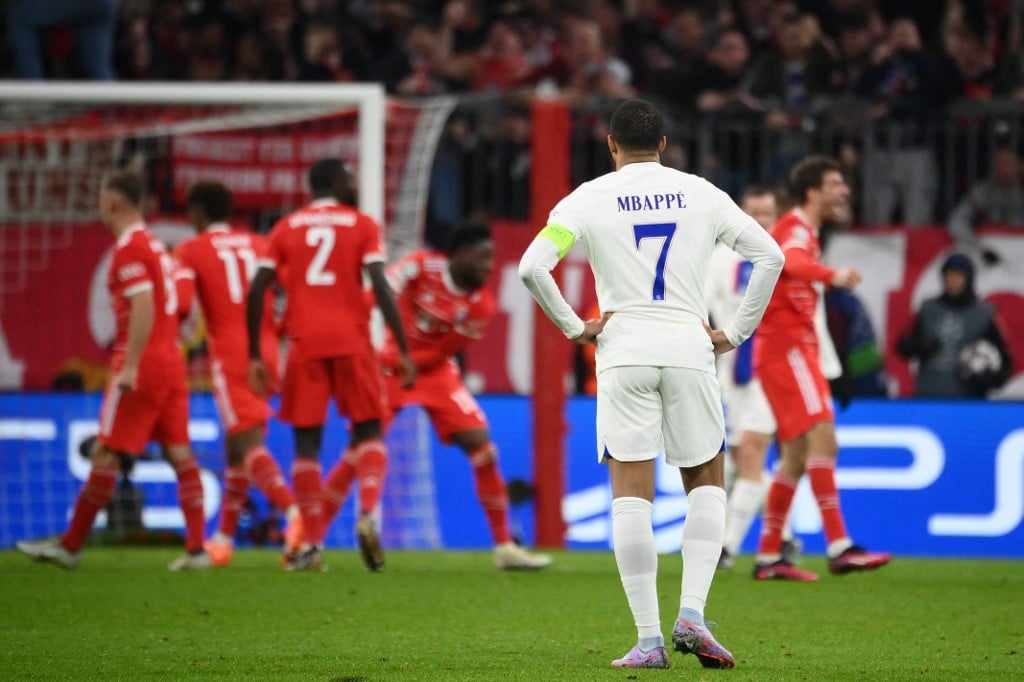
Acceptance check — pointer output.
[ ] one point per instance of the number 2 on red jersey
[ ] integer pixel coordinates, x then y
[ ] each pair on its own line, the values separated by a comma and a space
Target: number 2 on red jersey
323, 239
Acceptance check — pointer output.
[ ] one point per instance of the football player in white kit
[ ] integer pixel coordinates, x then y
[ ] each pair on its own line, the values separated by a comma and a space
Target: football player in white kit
750, 424
649, 232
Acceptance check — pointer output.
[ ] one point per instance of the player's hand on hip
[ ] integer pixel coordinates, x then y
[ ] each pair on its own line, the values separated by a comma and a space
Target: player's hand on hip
128, 379
719, 340
592, 328
846, 278
406, 370
259, 377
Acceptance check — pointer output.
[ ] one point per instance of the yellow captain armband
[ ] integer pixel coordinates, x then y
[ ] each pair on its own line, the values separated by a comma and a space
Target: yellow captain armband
562, 238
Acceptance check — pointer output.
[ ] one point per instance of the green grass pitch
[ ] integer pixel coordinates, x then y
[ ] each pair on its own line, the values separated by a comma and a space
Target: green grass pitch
450, 616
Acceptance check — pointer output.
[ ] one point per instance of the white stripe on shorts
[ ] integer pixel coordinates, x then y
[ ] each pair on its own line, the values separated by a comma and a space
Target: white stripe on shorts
805, 380
221, 396
110, 408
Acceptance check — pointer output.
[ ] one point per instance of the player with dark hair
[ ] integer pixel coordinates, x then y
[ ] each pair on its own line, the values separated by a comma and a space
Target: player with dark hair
320, 253
147, 398
220, 263
786, 356
444, 306
649, 232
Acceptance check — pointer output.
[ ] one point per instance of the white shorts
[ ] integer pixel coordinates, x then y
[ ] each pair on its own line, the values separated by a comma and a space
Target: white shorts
746, 409
644, 411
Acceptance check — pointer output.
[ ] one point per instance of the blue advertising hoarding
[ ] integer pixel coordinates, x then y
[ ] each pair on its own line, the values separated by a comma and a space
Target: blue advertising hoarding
916, 477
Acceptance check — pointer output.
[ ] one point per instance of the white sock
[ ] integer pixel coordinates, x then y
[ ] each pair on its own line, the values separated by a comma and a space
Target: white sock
703, 532
745, 501
637, 559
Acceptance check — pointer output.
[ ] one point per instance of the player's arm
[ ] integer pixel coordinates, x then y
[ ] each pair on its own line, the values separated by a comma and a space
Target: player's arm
743, 235
801, 265
141, 315
389, 309
542, 255
185, 285
259, 374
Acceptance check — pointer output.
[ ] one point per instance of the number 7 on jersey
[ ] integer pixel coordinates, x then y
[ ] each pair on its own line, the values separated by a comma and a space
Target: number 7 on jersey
656, 231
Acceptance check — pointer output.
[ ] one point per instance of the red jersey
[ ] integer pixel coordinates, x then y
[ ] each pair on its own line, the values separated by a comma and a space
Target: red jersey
141, 263
222, 262
789, 319
319, 252
439, 318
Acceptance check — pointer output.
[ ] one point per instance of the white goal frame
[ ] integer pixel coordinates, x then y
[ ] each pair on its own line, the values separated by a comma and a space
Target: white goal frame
368, 98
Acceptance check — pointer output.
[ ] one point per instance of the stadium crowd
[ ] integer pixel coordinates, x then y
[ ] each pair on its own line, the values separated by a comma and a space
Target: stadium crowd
766, 81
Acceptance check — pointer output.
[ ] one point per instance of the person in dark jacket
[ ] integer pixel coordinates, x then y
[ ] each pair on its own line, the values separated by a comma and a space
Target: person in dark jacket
956, 339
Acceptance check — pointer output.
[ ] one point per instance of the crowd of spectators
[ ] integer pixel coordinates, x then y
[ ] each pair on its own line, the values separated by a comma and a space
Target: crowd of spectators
865, 80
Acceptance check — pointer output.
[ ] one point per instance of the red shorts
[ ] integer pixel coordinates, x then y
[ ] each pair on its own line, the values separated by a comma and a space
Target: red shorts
128, 421
354, 381
240, 408
441, 393
797, 391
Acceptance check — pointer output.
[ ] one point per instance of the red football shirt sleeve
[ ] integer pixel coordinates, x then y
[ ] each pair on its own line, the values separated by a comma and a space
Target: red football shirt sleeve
800, 265
130, 273
404, 270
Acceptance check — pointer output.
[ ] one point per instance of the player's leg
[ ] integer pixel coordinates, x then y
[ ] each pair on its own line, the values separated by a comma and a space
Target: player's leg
262, 471
371, 404
339, 480
171, 431
748, 490
305, 393
770, 563
190, 499
249, 461
370, 457
792, 391
457, 418
843, 555
636, 557
629, 438
126, 425
94, 496
694, 439
491, 492
220, 546
357, 386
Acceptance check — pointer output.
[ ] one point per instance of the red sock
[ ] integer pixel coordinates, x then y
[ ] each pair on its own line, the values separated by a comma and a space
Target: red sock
190, 498
267, 477
371, 470
337, 485
309, 496
94, 496
491, 491
236, 491
776, 506
822, 472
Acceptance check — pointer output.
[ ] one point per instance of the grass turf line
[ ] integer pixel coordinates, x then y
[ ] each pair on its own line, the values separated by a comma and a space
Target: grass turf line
451, 616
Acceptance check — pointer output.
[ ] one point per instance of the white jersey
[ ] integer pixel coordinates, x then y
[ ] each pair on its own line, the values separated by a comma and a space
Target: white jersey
649, 232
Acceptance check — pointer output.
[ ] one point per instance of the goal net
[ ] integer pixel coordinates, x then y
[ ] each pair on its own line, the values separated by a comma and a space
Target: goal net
57, 141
